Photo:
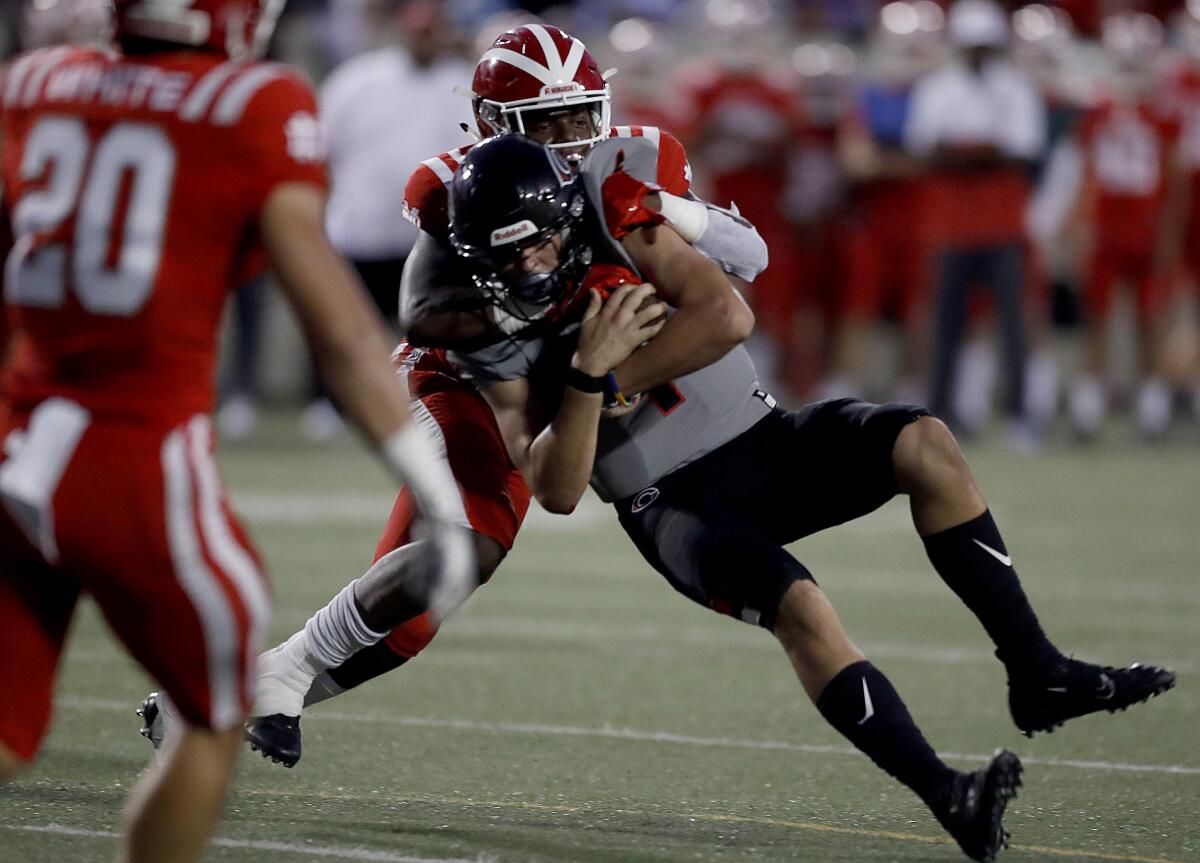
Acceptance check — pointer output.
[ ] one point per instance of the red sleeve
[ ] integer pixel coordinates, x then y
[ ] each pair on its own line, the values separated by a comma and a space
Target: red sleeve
426, 202
282, 137
674, 172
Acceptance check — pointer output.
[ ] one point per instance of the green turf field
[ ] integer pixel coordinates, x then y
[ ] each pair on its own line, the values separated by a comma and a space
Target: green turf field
579, 710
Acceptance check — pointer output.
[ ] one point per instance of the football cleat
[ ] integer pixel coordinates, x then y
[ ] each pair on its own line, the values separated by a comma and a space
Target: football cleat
1073, 688
276, 736
152, 721
973, 810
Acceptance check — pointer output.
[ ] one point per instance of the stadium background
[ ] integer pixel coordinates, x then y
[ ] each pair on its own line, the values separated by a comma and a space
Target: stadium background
790, 156
577, 710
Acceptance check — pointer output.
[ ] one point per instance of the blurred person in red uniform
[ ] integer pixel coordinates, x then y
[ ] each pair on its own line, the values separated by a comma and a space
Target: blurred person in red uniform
1045, 47
126, 238
1182, 91
886, 265
1128, 145
741, 121
978, 123
644, 56
814, 202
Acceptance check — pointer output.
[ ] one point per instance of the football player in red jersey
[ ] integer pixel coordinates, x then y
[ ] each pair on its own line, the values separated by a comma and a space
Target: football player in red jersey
126, 237
536, 81
1129, 148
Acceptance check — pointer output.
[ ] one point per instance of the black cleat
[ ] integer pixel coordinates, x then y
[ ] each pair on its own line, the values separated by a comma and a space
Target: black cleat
152, 726
1074, 688
276, 736
973, 811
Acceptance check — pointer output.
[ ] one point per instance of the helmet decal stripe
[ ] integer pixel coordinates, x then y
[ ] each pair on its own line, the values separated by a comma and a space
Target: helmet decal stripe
574, 58
238, 94
550, 49
522, 62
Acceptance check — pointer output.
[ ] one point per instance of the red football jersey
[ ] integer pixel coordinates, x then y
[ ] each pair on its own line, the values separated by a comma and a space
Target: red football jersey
427, 195
1126, 147
134, 186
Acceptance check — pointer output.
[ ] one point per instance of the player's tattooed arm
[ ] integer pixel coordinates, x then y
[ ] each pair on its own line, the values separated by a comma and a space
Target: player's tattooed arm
438, 305
711, 318
556, 454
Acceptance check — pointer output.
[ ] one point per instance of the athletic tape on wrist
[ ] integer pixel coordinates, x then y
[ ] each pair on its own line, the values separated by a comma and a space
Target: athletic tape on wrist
688, 218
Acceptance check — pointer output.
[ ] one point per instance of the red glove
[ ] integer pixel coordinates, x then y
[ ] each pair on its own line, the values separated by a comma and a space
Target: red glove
623, 196
606, 278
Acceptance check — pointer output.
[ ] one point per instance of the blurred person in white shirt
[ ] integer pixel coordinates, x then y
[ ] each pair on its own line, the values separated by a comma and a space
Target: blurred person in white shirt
978, 123
382, 113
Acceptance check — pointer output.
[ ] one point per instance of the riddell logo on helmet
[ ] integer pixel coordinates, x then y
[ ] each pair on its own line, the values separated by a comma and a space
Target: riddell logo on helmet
523, 228
559, 89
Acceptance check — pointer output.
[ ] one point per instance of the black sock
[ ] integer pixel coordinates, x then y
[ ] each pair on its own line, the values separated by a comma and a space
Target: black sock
368, 663
972, 559
862, 704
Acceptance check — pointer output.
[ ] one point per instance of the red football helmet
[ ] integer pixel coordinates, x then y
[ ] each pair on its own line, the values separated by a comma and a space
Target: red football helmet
532, 68
237, 28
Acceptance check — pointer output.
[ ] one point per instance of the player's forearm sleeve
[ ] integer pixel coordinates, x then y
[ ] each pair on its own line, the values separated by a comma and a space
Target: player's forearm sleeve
434, 280
732, 243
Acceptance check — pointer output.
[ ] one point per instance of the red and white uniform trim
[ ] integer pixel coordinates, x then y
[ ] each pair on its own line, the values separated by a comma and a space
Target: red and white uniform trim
192, 483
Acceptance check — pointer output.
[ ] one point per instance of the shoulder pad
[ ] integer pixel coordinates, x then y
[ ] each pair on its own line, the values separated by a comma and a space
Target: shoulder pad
640, 161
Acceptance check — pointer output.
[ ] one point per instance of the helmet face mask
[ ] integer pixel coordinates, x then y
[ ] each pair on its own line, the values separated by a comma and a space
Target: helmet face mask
517, 215
538, 68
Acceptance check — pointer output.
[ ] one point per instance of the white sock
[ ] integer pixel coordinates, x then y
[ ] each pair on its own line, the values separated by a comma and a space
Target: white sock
330, 637
337, 631
1087, 404
973, 385
1041, 387
1153, 407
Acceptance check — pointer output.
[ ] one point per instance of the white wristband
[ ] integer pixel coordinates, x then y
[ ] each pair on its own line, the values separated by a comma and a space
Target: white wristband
688, 218
414, 459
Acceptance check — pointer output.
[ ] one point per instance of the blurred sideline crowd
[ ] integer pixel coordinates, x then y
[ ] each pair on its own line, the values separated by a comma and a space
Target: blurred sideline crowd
983, 207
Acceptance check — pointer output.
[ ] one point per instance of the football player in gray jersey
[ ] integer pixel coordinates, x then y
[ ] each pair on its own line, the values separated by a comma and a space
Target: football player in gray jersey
710, 480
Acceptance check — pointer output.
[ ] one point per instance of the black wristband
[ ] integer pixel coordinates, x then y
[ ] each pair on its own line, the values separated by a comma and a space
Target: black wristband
584, 382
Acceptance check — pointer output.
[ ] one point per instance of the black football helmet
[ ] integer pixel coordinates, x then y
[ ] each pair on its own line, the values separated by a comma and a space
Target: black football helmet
509, 194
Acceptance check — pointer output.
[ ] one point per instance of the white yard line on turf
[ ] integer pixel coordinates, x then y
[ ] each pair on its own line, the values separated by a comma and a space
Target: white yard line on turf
263, 845
606, 731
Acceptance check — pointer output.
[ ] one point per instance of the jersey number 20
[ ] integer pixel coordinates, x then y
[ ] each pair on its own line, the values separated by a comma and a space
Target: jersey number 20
88, 182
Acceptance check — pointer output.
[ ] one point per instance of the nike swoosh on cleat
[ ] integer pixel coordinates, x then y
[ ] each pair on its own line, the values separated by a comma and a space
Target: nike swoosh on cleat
1003, 558
867, 701
1107, 688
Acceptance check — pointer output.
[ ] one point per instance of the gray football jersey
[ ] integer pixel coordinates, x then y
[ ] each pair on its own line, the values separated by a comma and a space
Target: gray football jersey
672, 425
